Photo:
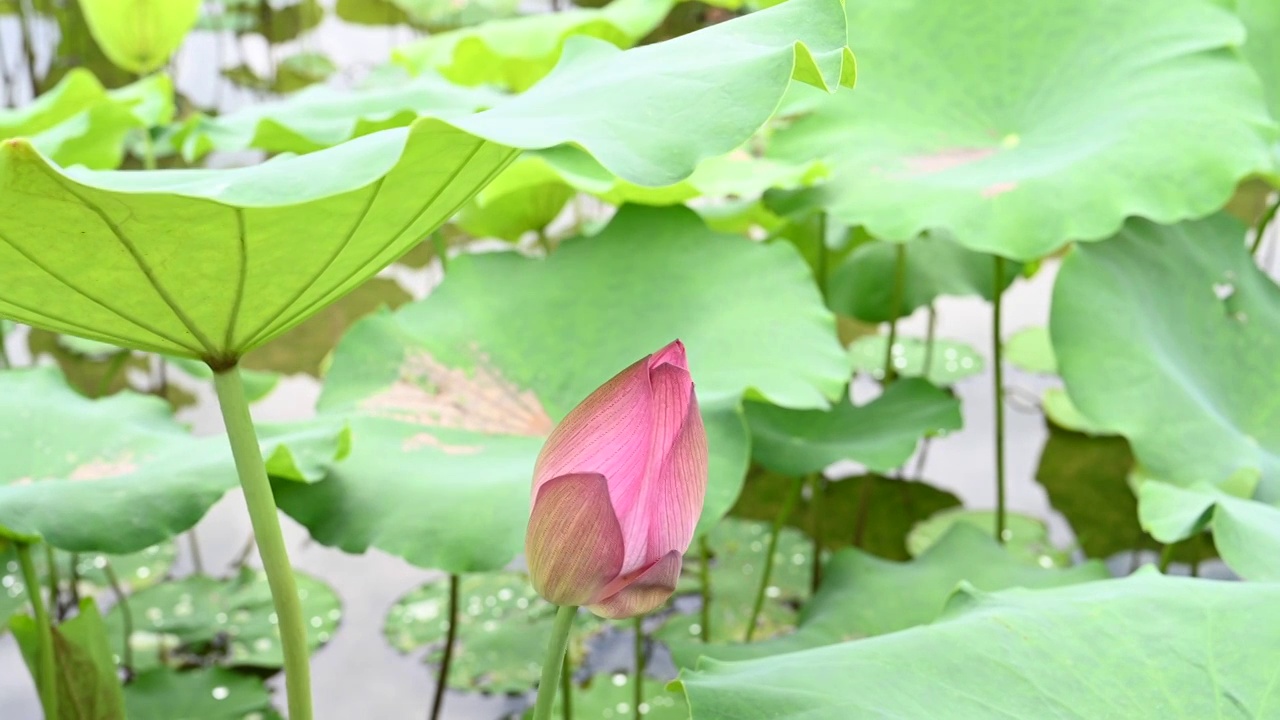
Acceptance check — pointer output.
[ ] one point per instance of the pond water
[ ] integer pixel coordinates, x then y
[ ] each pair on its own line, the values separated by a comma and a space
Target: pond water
358, 674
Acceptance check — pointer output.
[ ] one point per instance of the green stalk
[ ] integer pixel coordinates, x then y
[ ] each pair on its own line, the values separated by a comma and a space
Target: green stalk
1166, 558
899, 289
271, 548
815, 520
998, 392
554, 662
126, 617
778, 522
442, 679
929, 341
1262, 227
704, 575
46, 673
114, 366
566, 690
55, 593
4, 351
637, 695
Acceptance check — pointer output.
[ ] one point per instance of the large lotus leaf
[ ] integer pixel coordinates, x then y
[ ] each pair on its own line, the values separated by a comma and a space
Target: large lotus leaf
1245, 532
873, 512
1261, 48
1025, 537
863, 596
1146, 647
517, 52
211, 263
1032, 350
127, 458
201, 620
1170, 336
207, 693
323, 116
1022, 126
79, 122
503, 630
949, 361
452, 396
881, 434
935, 265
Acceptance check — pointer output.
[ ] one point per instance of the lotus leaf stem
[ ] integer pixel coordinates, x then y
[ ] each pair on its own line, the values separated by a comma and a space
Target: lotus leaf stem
637, 695
929, 338
895, 309
271, 547
770, 551
46, 668
554, 662
704, 577
451, 637
816, 490
126, 615
1166, 557
55, 591
197, 560
1263, 224
998, 395
566, 690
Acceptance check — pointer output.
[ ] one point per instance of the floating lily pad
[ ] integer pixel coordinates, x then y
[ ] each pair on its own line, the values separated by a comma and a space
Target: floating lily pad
212, 263
610, 697
200, 620
1146, 647
503, 630
517, 52
1189, 379
135, 571
1031, 349
128, 459
1025, 537
874, 511
881, 434
862, 286
863, 596
949, 363
204, 694
738, 556
451, 397
1020, 127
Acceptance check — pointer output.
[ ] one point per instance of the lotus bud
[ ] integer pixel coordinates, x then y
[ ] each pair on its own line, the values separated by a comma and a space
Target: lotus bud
618, 489
140, 35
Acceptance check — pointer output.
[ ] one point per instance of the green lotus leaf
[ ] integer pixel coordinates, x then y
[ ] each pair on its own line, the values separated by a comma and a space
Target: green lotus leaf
438, 16
201, 620
881, 434
138, 35
1025, 537
1170, 336
276, 22
1146, 647
1031, 349
503, 627
737, 566
212, 263
208, 693
1019, 127
127, 458
935, 265
452, 397
85, 675
949, 361
293, 73
1246, 533
1262, 44
863, 596
323, 116
518, 52
872, 511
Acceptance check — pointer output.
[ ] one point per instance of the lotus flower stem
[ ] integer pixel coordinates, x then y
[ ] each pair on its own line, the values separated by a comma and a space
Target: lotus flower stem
126, 615
637, 695
895, 308
46, 673
1263, 224
819, 484
566, 690
197, 559
271, 547
442, 679
554, 662
772, 550
1166, 557
704, 575
998, 394
55, 587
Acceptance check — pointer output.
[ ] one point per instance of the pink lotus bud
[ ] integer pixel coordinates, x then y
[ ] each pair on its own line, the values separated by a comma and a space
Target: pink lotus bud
618, 489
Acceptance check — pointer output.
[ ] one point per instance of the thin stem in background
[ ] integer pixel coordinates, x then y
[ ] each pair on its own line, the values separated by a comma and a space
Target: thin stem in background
59, 610
113, 371
998, 393
566, 690
271, 547
1166, 557
441, 245
864, 508
770, 551
554, 662
126, 617
895, 308
929, 337
820, 272
1263, 224
817, 488
704, 577
73, 581
46, 669
451, 637
28, 53
245, 552
637, 694
197, 560
4, 350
